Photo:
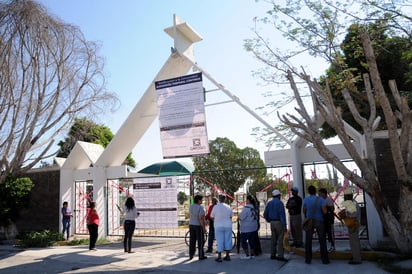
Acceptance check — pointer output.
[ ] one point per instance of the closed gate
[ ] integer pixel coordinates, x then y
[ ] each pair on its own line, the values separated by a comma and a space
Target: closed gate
83, 197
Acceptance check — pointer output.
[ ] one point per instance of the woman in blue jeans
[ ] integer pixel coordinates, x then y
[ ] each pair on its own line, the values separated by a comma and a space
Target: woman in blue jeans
129, 223
315, 207
248, 227
66, 216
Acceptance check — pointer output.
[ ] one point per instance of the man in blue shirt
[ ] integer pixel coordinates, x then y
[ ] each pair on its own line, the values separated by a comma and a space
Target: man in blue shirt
315, 207
275, 215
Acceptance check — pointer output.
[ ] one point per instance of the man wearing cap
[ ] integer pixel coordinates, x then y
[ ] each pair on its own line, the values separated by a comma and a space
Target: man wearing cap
294, 206
275, 215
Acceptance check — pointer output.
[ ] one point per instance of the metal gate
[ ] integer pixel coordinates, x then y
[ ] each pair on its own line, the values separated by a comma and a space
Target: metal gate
83, 197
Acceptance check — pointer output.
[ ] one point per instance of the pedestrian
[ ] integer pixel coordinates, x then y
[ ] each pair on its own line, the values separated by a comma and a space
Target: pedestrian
66, 217
93, 222
211, 237
275, 215
248, 228
222, 215
294, 206
314, 207
197, 228
352, 212
258, 247
131, 213
329, 218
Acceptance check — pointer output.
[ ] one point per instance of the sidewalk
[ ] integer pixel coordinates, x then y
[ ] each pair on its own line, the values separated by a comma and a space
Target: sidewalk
162, 256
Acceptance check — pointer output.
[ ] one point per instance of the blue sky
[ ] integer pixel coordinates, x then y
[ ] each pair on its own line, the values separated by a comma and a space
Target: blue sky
135, 47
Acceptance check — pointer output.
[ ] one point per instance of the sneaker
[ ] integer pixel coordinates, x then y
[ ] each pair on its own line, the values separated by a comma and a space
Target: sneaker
331, 249
244, 257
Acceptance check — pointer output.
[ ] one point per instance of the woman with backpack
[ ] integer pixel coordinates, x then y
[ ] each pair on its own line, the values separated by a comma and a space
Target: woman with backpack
248, 228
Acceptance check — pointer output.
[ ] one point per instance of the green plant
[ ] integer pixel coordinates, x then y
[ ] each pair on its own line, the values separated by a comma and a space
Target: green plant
181, 197
102, 241
40, 238
78, 242
14, 195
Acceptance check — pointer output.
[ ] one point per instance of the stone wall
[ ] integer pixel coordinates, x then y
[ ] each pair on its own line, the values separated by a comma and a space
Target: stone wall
44, 208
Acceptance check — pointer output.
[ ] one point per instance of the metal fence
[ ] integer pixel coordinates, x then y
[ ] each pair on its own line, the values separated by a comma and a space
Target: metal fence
278, 178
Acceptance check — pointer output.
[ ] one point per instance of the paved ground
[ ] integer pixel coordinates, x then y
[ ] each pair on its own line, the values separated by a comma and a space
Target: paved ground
167, 255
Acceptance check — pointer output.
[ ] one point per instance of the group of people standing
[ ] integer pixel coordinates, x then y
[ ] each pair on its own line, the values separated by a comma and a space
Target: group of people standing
322, 212
219, 215
221, 228
93, 220
320, 208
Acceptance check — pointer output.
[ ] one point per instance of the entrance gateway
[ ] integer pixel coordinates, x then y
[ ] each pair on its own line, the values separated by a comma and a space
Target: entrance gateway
92, 165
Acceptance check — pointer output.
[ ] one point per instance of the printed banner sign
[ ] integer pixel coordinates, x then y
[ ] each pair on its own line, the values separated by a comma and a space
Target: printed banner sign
182, 116
155, 199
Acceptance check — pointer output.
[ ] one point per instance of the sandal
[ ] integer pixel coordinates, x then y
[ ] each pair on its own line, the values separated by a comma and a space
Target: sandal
219, 260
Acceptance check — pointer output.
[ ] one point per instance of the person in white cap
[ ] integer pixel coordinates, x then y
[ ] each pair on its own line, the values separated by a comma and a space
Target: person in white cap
294, 206
352, 212
275, 215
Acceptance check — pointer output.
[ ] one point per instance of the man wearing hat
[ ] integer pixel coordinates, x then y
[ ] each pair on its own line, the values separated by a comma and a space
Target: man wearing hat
352, 212
294, 206
275, 215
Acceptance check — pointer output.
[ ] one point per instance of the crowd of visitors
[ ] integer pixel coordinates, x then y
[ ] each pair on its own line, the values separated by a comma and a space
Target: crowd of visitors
317, 211
318, 207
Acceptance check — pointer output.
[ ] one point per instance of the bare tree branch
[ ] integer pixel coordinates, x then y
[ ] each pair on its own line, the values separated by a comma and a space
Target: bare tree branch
49, 74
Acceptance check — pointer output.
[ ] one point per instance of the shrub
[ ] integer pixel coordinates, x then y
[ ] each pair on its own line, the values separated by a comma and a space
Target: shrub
40, 239
14, 195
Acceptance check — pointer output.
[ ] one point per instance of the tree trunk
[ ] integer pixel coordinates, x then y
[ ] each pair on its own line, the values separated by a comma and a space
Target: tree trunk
398, 230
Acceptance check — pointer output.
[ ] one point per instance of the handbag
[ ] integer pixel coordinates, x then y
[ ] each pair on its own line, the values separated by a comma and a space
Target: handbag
308, 222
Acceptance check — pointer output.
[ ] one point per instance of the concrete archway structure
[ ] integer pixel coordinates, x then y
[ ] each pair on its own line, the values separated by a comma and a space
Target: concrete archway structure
91, 162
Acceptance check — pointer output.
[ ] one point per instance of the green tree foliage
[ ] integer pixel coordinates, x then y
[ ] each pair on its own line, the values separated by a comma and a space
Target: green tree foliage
321, 183
88, 131
14, 196
276, 183
181, 197
394, 58
320, 29
228, 167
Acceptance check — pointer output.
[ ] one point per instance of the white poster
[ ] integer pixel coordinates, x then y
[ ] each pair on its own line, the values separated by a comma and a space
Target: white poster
156, 200
182, 116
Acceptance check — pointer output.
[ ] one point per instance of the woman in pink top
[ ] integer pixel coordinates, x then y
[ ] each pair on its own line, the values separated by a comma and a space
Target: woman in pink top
93, 222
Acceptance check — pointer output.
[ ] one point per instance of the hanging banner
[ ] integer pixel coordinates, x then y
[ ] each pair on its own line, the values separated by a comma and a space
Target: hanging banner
182, 116
155, 199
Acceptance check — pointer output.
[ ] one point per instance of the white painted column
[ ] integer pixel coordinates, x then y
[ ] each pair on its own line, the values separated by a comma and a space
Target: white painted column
297, 168
99, 188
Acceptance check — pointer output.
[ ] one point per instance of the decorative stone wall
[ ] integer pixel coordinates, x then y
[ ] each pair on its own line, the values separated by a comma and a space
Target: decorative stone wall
44, 209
